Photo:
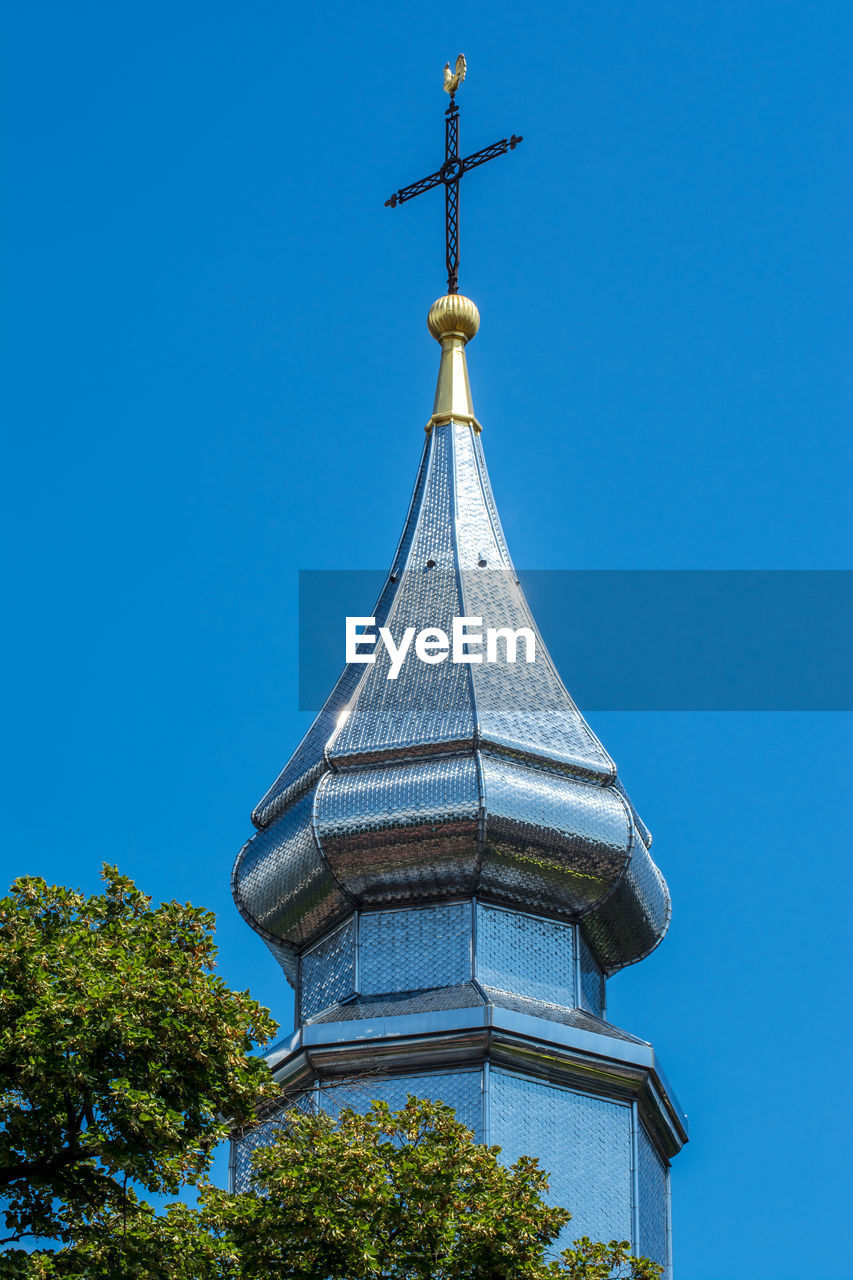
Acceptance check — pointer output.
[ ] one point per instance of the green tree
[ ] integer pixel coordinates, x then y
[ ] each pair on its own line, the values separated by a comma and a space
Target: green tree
404, 1195
121, 1053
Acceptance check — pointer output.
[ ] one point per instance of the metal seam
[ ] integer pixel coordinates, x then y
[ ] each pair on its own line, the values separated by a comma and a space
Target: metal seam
635, 1178
482, 820
457, 564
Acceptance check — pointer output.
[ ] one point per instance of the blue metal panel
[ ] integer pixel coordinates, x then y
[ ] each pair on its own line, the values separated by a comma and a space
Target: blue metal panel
415, 949
592, 980
525, 955
462, 1090
583, 1142
327, 971
241, 1154
652, 1180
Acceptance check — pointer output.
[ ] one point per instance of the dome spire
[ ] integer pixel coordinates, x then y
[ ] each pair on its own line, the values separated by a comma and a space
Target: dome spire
451, 779
448, 868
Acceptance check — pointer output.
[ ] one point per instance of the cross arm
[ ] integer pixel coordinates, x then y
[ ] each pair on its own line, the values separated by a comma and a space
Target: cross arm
489, 153
452, 170
415, 189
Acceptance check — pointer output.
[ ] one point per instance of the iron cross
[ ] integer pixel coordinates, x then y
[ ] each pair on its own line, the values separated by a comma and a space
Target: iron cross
451, 172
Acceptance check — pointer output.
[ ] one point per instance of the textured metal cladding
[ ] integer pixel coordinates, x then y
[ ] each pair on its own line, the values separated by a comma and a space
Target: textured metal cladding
652, 1179
403, 1004
553, 843
524, 708
583, 1142
645, 834
415, 949
327, 971
578, 1018
427, 705
491, 506
462, 1090
478, 548
243, 1147
529, 956
523, 962
592, 980
282, 883
633, 918
261, 1135
286, 956
402, 831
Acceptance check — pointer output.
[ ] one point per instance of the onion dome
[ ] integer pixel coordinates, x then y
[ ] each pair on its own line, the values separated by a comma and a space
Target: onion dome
453, 779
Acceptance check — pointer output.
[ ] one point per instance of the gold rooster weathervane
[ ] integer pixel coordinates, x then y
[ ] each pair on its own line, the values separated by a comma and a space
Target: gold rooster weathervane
452, 170
453, 79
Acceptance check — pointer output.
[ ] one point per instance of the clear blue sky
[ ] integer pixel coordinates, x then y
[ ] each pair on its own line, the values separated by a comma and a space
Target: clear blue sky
217, 371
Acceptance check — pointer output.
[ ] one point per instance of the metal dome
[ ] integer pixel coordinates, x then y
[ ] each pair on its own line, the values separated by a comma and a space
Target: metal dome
451, 780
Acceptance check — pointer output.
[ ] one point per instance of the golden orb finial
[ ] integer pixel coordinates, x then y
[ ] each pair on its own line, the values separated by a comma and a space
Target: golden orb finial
453, 316
453, 320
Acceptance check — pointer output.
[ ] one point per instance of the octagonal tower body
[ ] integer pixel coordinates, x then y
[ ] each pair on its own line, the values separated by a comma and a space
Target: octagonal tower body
448, 870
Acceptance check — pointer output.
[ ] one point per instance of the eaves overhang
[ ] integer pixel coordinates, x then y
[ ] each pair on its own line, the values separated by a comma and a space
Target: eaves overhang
576, 1058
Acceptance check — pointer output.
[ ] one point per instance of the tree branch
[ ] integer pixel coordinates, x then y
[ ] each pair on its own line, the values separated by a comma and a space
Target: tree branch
47, 1164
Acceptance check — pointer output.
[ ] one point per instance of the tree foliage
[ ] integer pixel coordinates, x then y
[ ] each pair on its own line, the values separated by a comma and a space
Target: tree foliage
124, 1060
121, 1053
404, 1195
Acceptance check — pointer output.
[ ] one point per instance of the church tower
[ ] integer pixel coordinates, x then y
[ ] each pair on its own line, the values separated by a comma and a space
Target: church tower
448, 869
